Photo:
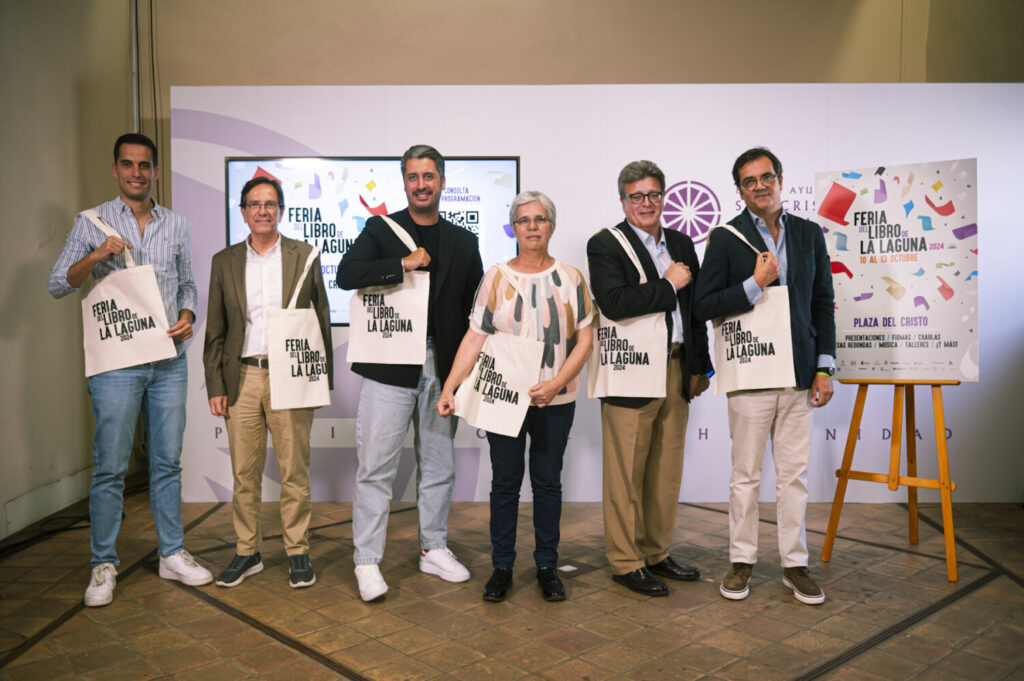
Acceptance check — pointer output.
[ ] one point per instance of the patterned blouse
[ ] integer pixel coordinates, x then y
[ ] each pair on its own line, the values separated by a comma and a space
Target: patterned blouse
559, 304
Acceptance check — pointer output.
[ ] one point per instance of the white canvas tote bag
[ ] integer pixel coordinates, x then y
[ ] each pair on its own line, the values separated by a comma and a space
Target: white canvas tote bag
495, 395
296, 353
388, 324
630, 356
124, 322
754, 350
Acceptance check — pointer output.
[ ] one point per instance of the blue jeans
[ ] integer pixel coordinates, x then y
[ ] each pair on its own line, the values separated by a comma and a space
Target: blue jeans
382, 421
158, 390
548, 429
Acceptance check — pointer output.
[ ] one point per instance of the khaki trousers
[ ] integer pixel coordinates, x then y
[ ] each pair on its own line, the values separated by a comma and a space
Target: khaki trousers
247, 422
785, 414
643, 470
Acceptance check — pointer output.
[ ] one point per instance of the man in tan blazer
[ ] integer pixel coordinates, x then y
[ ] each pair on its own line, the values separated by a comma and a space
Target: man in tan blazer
246, 280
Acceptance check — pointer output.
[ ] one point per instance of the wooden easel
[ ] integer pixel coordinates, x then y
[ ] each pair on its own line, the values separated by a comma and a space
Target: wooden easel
893, 478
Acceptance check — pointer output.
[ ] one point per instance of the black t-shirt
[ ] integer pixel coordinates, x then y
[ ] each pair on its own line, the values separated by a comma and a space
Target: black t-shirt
427, 237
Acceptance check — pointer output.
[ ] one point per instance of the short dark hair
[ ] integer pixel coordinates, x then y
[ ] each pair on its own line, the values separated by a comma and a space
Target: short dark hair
752, 155
263, 179
424, 151
638, 170
134, 138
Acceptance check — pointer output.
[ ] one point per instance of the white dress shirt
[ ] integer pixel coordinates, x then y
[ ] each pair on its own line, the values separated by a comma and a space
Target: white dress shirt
263, 291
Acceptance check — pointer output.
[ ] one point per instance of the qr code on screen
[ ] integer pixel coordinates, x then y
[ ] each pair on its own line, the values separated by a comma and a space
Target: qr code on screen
470, 219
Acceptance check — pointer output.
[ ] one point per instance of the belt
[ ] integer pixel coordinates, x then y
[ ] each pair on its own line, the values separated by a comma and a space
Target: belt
261, 362
675, 351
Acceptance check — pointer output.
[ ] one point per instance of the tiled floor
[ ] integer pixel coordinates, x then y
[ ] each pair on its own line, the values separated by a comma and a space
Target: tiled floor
891, 613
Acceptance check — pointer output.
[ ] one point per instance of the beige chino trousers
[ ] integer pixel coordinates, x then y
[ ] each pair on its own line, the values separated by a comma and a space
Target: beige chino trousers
247, 422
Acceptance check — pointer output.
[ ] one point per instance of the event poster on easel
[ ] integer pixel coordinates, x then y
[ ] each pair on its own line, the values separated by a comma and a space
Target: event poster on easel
904, 247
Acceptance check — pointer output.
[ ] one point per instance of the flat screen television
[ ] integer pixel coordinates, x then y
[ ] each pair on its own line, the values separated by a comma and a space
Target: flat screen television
328, 200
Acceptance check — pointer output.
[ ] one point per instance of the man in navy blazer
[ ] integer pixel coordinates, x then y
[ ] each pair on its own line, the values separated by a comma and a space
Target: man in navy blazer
393, 395
733, 279
643, 439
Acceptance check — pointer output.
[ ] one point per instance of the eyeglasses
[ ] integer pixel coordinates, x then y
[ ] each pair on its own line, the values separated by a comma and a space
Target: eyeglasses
270, 206
540, 221
638, 198
768, 179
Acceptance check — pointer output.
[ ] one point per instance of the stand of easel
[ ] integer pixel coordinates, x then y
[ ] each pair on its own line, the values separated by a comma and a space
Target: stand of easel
893, 478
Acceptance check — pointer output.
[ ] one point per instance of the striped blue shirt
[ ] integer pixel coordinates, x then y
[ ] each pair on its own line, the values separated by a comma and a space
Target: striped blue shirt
166, 245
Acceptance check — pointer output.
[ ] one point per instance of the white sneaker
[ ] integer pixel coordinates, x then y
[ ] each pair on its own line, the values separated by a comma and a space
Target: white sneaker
372, 586
101, 586
444, 564
182, 567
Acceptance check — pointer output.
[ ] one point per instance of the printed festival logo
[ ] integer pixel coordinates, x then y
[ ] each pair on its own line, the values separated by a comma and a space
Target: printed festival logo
692, 208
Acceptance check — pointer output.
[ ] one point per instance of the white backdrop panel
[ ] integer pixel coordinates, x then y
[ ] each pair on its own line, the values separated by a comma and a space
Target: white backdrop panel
573, 140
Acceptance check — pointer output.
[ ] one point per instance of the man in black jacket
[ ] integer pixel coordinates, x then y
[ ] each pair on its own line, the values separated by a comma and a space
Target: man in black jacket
394, 394
733, 280
643, 438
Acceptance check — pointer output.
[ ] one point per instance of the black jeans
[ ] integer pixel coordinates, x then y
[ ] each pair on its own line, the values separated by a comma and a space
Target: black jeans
548, 429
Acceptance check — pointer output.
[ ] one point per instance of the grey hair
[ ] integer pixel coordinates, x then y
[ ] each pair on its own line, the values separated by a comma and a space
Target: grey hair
424, 151
638, 170
524, 198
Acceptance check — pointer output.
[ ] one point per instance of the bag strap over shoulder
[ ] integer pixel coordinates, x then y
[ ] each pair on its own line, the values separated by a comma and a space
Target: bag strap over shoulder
736, 232
507, 272
628, 248
401, 233
313, 255
101, 225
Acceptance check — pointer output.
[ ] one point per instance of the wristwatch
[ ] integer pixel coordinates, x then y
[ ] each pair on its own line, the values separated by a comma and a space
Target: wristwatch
827, 371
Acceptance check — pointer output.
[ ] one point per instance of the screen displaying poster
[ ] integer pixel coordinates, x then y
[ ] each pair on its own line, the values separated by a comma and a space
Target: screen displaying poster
904, 247
328, 200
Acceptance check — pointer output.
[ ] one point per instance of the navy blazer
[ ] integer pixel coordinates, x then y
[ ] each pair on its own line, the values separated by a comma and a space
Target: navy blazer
728, 262
375, 259
619, 293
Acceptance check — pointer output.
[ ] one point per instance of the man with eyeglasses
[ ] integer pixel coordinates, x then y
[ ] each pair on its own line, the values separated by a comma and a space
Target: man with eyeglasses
394, 395
733, 279
163, 239
643, 438
246, 280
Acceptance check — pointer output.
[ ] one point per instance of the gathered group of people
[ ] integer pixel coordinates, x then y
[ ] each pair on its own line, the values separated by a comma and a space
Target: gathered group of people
534, 315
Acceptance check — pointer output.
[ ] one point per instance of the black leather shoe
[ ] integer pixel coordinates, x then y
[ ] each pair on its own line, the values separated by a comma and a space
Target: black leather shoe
550, 585
642, 582
497, 586
672, 570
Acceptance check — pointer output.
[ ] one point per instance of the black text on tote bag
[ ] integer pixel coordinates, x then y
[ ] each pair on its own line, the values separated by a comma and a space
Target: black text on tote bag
124, 322
629, 356
297, 353
495, 395
754, 349
388, 324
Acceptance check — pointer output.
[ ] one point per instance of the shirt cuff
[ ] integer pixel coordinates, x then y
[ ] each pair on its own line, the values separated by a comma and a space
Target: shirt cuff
753, 291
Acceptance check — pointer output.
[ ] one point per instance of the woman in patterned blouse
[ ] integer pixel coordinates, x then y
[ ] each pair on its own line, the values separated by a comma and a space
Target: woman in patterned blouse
559, 311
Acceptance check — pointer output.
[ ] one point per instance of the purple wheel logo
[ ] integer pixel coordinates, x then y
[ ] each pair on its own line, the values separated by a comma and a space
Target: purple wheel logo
691, 208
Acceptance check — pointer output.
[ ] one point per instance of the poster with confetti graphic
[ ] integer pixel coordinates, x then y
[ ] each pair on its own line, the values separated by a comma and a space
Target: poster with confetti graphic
904, 247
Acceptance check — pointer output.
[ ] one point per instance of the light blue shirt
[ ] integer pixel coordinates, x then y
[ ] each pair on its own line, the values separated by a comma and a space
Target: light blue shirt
662, 261
755, 292
166, 245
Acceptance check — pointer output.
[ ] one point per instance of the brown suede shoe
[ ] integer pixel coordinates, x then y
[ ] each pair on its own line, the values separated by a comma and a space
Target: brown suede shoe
735, 586
804, 588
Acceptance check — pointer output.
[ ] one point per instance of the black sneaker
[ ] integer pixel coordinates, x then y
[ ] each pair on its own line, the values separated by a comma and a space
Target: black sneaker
240, 568
300, 571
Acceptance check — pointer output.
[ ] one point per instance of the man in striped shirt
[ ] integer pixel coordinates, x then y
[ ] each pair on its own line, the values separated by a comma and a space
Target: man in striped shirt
162, 239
